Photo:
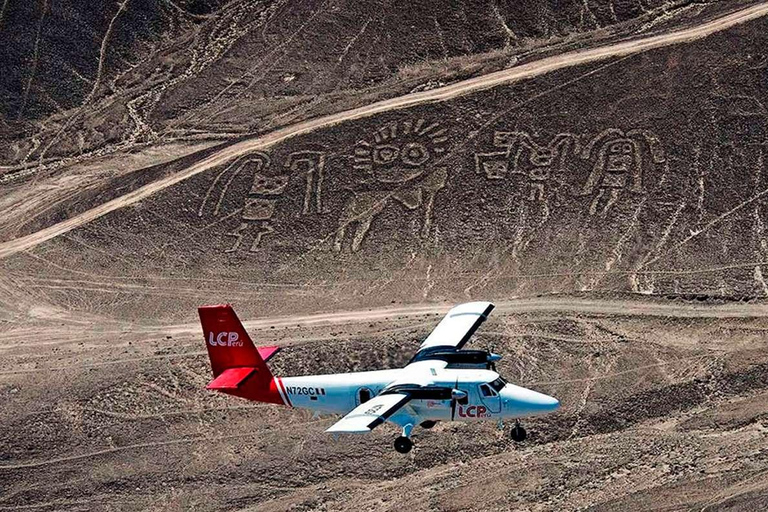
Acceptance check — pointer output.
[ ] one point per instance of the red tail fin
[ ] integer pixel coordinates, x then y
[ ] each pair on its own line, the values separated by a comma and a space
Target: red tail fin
229, 346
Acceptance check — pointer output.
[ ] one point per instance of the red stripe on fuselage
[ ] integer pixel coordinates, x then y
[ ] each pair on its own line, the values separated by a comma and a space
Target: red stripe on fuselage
284, 391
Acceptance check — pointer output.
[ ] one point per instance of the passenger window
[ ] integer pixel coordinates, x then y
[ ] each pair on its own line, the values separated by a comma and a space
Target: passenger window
365, 395
486, 390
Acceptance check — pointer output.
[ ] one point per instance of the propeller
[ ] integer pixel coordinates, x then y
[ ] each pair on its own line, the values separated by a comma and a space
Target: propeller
456, 395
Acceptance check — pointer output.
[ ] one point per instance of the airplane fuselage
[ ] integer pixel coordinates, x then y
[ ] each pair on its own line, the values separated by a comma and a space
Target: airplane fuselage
342, 392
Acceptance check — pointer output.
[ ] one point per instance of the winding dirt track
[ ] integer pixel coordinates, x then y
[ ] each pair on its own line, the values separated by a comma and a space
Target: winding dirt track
480, 83
516, 306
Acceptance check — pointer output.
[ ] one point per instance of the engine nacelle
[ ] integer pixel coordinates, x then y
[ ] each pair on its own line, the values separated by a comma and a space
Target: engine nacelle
460, 358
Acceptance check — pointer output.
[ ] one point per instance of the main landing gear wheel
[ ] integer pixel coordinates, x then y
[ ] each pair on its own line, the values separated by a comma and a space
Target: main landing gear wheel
428, 424
403, 444
518, 434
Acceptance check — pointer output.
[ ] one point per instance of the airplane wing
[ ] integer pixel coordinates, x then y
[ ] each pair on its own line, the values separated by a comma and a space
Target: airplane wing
461, 322
453, 331
369, 415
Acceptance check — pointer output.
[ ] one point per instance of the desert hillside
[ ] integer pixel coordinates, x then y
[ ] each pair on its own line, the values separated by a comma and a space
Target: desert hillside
642, 174
89, 78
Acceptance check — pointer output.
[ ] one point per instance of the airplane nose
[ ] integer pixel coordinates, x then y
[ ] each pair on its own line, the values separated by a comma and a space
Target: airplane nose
552, 402
525, 401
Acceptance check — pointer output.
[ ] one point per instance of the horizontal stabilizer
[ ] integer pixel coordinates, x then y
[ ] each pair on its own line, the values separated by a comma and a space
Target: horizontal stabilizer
267, 352
231, 378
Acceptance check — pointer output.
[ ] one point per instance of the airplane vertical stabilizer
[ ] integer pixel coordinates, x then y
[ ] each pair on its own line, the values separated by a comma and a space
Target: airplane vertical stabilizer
229, 345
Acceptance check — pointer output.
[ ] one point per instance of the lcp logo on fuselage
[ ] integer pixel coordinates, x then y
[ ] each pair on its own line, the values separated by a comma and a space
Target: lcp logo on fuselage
224, 339
474, 411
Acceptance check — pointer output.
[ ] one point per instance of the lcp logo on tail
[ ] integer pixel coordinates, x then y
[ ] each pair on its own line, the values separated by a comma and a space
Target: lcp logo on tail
225, 339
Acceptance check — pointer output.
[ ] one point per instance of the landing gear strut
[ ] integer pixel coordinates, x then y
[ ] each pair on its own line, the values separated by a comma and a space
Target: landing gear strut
403, 444
518, 433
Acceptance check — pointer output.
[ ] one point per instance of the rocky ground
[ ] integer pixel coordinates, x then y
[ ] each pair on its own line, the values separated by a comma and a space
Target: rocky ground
643, 173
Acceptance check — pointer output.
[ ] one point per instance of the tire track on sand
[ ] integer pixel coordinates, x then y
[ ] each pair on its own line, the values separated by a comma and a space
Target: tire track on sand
56, 460
505, 76
622, 307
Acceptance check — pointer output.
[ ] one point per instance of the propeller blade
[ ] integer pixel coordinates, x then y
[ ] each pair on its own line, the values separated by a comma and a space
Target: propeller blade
453, 400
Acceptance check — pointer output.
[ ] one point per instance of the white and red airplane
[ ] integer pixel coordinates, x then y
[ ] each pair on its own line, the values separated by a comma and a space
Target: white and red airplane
442, 382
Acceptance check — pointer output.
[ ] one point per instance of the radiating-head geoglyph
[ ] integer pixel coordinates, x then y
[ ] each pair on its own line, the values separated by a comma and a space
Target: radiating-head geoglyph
397, 166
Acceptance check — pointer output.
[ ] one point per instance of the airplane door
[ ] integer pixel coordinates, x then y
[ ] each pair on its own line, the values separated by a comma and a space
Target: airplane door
490, 398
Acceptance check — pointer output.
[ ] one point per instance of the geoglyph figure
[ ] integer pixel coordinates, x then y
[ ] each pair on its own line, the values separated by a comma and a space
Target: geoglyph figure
259, 204
522, 155
265, 192
398, 168
620, 159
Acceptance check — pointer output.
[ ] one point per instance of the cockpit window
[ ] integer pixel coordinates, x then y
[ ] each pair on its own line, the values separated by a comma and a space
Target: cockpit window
486, 390
498, 384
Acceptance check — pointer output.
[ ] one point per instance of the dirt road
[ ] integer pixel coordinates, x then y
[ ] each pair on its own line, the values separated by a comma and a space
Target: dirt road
476, 84
516, 306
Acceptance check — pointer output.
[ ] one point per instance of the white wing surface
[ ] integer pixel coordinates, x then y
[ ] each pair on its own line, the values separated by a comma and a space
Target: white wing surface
365, 417
461, 322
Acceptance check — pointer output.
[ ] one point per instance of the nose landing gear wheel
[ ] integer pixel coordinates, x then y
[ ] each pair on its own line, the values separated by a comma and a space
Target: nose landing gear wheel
518, 434
403, 444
